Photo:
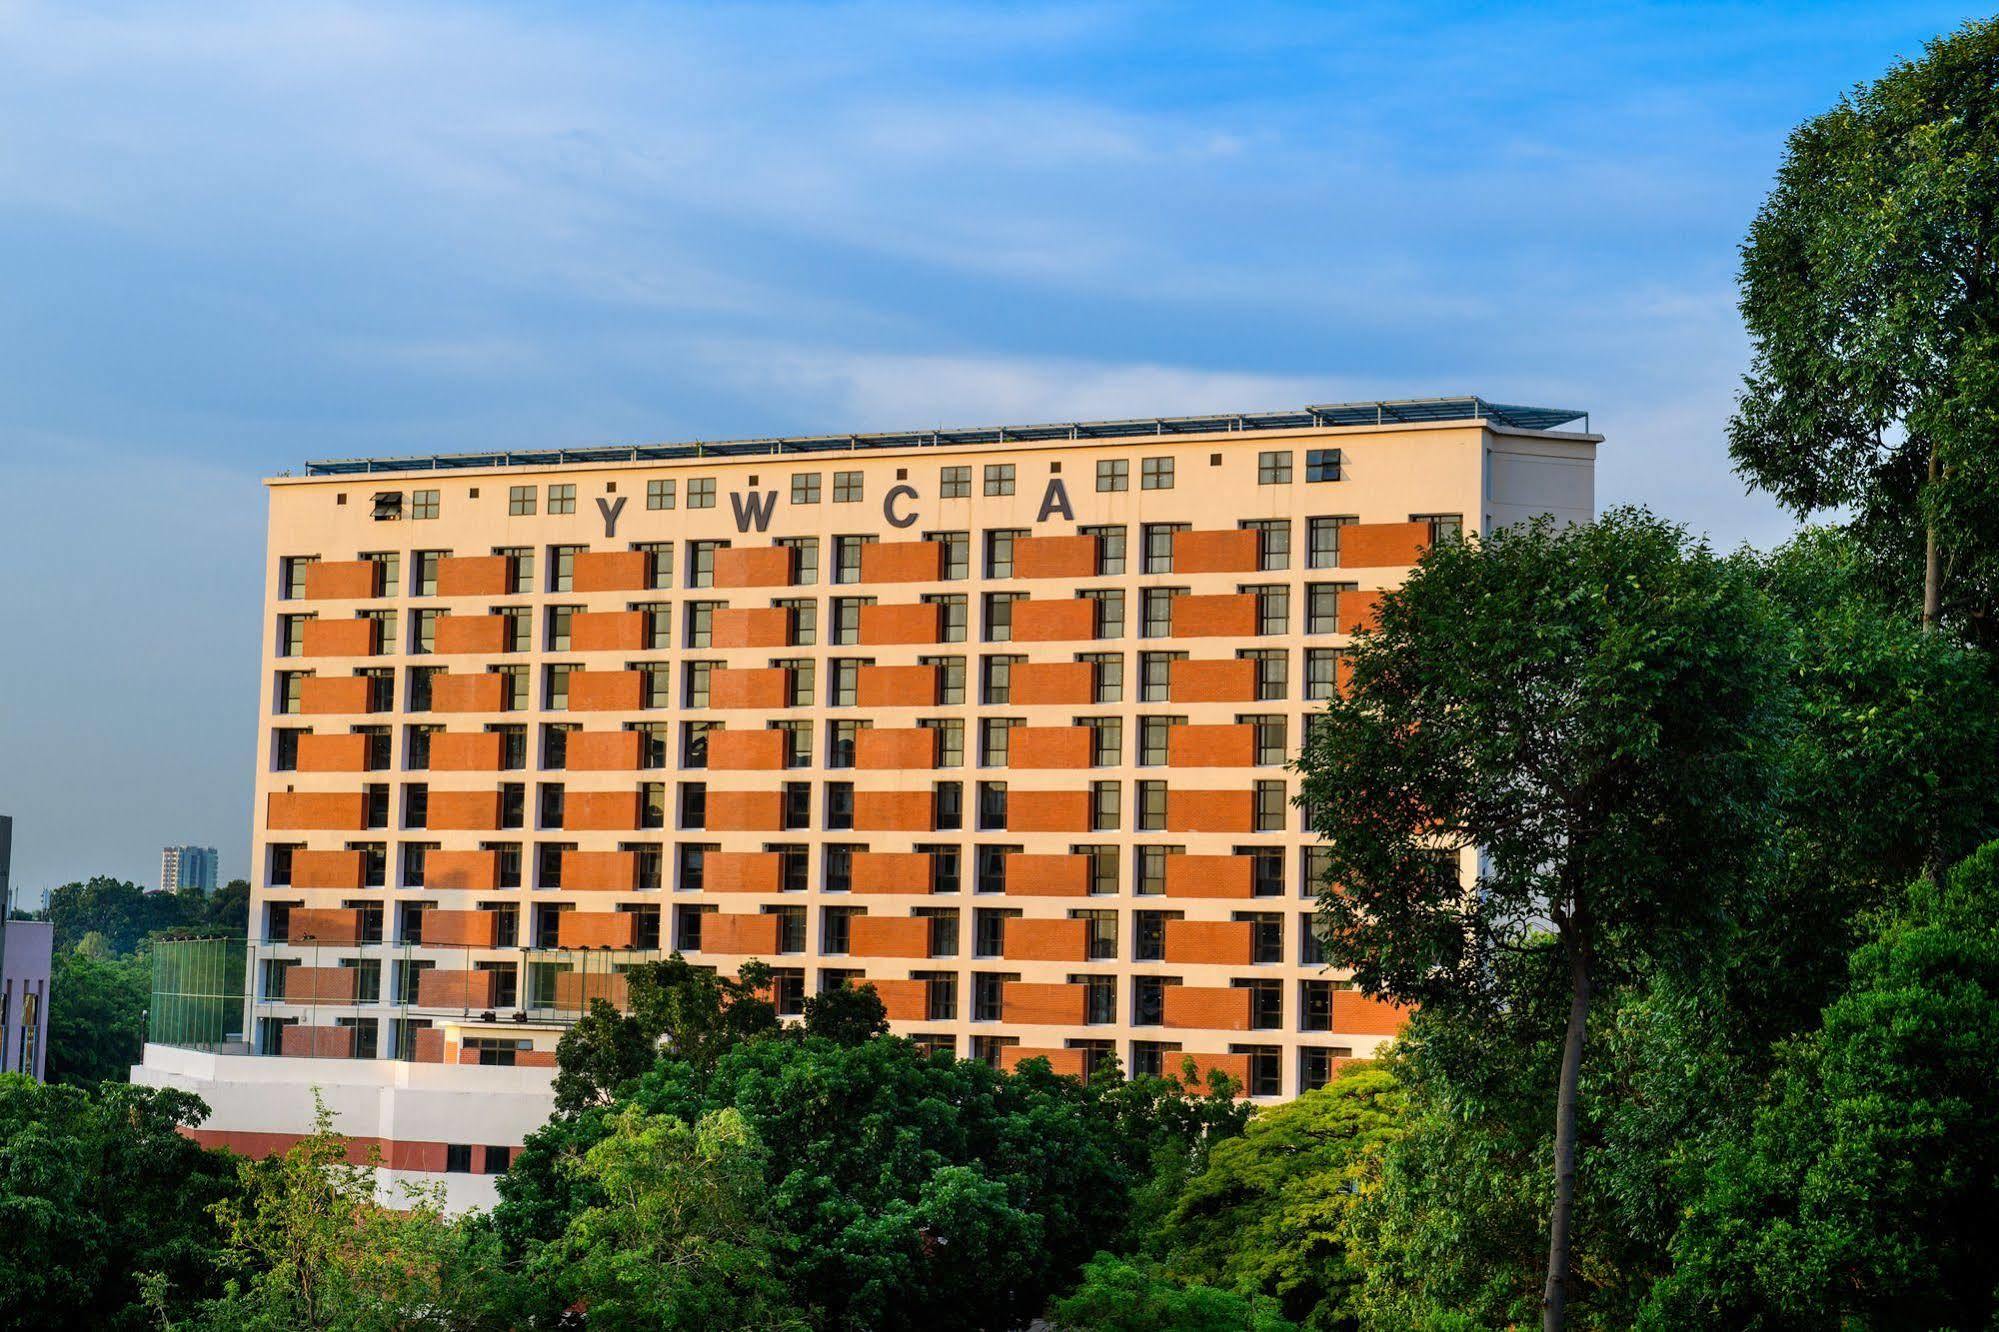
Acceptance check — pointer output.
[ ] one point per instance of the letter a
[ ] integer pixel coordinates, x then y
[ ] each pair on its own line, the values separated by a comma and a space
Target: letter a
1055, 501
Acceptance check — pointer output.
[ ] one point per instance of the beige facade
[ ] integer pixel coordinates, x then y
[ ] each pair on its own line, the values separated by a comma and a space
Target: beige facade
1000, 728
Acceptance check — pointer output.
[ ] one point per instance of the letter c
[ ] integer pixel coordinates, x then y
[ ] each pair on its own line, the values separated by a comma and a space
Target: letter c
888, 505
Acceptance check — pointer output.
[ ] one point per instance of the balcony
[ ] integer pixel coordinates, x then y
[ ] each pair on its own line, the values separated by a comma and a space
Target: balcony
1029, 940
1225, 615
750, 627
897, 686
610, 571
473, 576
1216, 552
1055, 557
1233, 681
895, 749
1031, 1004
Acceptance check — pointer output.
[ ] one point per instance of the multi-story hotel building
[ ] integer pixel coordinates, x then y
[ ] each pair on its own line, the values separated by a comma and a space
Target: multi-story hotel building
996, 721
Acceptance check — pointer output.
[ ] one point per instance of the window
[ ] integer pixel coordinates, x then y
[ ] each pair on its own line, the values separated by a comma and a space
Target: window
1265, 1068
661, 494
701, 492
1106, 806
954, 482
1158, 545
997, 684
1099, 933
701, 559
994, 733
802, 679
1443, 526
957, 554
801, 617
1270, 738
562, 567
694, 683
1266, 934
1152, 735
424, 581
846, 619
701, 622
999, 478
1273, 467
1155, 474
1322, 537
1156, 611
291, 575
1270, 804
1110, 611
1113, 474
1106, 675
1273, 542
1110, 549
658, 624
1106, 740
1316, 1065
1273, 607
457, 1159
291, 634
423, 504
840, 743
562, 498
1103, 875
847, 557
846, 687
1315, 1005
805, 488
1266, 1003
520, 501
1273, 671
520, 568
999, 615
992, 807
557, 619
1152, 869
951, 619
846, 487
1155, 680
950, 677
1149, 935
999, 552
839, 806
804, 559
1322, 465
1322, 673
1099, 998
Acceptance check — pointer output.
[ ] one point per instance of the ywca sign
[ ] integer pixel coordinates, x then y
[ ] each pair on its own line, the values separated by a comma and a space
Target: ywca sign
753, 508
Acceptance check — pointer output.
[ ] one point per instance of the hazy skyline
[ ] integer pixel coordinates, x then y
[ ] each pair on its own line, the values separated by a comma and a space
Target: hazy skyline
234, 237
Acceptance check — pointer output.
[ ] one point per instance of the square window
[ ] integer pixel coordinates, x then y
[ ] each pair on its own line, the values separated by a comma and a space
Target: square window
1322, 464
660, 494
1113, 474
955, 482
999, 478
846, 487
701, 493
805, 488
562, 499
520, 501
1273, 467
1156, 474
423, 504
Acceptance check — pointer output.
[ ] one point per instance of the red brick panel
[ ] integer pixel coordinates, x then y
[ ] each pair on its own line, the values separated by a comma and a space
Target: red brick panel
1208, 942
1225, 746
763, 688
1047, 876
902, 562
595, 929
1357, 1014
341, 580
889, 936
464, 929
472, 576
739, 933
1210, 812
606, 691
326, 869
465, 635
1065, 621
429, 1048
471, 811
1225, 615
1037, 747
1029, 940
323, 925
465, 751
895, 748
897, 686
1358, 611
1232, 681
1231, 877
1191, 1070
745, 811
333, 753
332, 695
894, 811
1043, 682
1055, 557
300, 1041
607, 631
342, 811
600, 811
890, 871
341, 638
1207, 1008
1041, 1005
451, 871
1048, 811
1382, 545
601, 751
887, 626
750, 627
1067, 1062
1216, 552
610, 571
456, 988
320, 985
742, 871
753, 566
600, 871
483, 692
747, 751
905, 1000
575, 991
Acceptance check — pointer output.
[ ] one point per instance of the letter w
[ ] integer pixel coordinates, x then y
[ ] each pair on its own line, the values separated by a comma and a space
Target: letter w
753, 508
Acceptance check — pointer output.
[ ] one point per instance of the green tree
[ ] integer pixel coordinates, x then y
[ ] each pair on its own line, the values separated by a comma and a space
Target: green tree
1268, 1215
97, 1188
97, 1017
693, 1011
1594, 714
846, 1014
1119, 1295
317, 1251
122, 912
1867, 1193
1870, 286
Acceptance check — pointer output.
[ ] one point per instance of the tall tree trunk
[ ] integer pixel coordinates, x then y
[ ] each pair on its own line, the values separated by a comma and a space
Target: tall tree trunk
1932, 572
1555, 1295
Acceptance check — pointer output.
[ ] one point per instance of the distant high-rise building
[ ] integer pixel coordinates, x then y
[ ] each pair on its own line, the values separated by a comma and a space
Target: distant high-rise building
24, 977
188, 867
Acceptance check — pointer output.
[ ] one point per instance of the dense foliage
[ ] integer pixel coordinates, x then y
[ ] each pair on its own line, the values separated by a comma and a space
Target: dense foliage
126, 914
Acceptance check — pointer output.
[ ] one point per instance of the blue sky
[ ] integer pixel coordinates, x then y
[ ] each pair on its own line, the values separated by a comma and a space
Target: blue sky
236, 236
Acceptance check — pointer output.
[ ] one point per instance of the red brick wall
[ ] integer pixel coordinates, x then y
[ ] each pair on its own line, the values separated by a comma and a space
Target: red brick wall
1208, 941
1207, 1008
469, 810
889, 625
902, 562
891, 872
739, 933
763, 688
745, 750
594, 929
1209, 876
742, 871
340, 580
465, 751
600, 871
751, 627
306, 1042
1054, 621
895, 749
1357, 1014
344, 811
889, 936
461, 869
601, 751
340, 638
332, 695
745, 811
753, 566
1048, 811
1217, 746
607, 631
1049, 747
600, 811
1382, 545
610, 571
324, 925
1211, 681
333, 753
605, 691
455, 988
1223, 615
320, 985
1042, 682
1210, 811
481, 692
1045, 1005
326, 869
1215, 552
1055, 557
1030, 940
469, 929
894, 811
464, 634
472, 576
1047, 875
897, 686
1359, 610
905, 1000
